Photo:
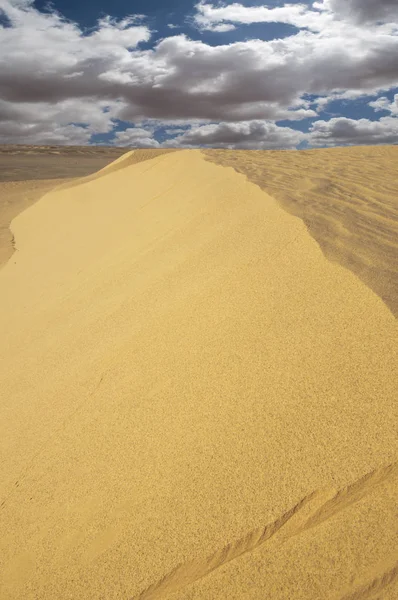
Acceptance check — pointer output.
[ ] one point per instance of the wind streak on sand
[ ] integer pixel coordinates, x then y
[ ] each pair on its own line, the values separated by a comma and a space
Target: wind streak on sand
311, 511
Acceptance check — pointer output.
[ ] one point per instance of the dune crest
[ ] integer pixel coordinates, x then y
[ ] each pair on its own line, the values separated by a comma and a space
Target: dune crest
129, 158
181, 365
347, 197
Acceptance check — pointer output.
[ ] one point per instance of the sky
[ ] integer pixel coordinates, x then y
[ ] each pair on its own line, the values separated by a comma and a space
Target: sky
187, 74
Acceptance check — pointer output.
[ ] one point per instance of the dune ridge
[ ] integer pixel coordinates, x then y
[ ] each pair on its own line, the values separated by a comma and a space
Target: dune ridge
28, 172
347, 197
179, 364
131, 157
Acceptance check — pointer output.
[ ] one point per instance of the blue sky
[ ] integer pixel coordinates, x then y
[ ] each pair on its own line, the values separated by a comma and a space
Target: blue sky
159, 13
181, 73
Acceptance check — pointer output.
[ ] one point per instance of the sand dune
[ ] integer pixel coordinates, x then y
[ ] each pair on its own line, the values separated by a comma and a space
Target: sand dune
28, 172
16, 196
347, 197
129, 158
196, 401
311, 511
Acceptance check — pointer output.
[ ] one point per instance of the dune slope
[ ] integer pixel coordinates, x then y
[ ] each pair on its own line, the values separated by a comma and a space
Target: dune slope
28, 172
16, 196
347, 197
195, 402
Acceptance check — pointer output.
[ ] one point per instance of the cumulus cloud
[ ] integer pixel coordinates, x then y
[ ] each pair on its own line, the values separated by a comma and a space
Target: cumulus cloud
383, 103
36, 134
321, 15
56, 77
209, 16
67, 122
46, 58
247, 134
222, 28
252, 79
348, 132
366, 11
135, 137
320, 103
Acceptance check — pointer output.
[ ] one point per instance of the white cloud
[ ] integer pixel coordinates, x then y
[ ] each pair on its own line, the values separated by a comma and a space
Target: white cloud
61, 122
383, 103
36, 134
247, 134
347, 132
318, 17
223, 27
209, 16
135, 137
349, 95
46, 58
53, 76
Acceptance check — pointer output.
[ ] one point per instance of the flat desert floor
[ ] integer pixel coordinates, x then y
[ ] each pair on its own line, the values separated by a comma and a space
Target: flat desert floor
198, 378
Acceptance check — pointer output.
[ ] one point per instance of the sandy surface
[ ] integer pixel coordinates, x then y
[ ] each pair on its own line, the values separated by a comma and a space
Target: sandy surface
16, 196
347, 197
21, 163
28, 172
195, 401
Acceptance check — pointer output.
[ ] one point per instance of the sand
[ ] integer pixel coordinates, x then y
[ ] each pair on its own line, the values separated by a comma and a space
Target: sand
21, 163
28, 172
196, 402
347, 197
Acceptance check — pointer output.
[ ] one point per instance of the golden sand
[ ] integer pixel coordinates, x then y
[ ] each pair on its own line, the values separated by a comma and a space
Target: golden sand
347, 197
196, 402
28, 172
16, 196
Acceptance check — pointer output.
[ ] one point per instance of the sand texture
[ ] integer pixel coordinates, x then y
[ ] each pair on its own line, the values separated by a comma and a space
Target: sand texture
28, 172
347, 197
196, 402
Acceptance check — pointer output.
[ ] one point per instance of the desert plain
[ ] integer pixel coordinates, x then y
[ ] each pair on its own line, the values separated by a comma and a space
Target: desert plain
198, 374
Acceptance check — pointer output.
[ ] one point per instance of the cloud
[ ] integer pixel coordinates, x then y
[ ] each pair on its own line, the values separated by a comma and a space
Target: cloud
208, 16
322, 14
35, 134
54, 77
135, 137
366, 11
223, 27
46, 58
248, 134
320, 103
59, 123
173, 131
383, 103
348, 132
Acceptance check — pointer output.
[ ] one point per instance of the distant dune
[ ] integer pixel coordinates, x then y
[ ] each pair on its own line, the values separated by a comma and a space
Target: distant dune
198, 387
